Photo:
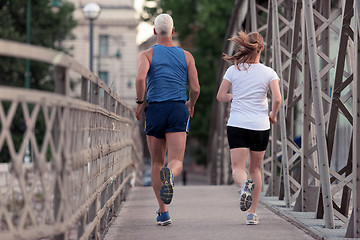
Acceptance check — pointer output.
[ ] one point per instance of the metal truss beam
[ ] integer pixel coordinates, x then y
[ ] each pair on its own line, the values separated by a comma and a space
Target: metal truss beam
319, 87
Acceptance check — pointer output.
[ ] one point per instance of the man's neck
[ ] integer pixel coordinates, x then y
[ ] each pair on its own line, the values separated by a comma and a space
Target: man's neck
165, 41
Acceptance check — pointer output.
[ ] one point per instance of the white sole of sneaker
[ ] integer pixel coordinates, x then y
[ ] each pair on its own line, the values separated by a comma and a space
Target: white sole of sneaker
245, 195
245, 201
164, 223
251, 222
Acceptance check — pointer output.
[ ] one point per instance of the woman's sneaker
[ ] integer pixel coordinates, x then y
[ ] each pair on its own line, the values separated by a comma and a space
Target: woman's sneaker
163, 219
167, 180
252, 219
245, 194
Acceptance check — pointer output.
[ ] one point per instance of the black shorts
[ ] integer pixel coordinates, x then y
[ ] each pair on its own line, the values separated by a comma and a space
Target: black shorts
246, 138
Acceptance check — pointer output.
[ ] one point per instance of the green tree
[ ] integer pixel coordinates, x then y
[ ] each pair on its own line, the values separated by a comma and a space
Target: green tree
200, 26
48, 29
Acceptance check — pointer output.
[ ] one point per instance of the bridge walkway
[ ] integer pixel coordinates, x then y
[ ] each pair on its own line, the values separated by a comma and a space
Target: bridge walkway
199, 212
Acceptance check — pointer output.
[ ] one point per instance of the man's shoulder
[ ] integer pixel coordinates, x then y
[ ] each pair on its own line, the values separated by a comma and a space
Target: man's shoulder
188, 56
147, 51
186, 52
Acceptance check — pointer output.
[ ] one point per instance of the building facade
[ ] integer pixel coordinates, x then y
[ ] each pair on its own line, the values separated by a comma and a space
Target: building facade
115, 50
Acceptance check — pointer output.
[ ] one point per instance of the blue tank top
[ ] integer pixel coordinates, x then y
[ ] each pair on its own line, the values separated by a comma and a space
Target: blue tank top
168, 74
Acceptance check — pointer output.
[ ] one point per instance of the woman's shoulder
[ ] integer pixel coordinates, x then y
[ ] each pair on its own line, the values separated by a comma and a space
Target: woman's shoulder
266, 68
231, 68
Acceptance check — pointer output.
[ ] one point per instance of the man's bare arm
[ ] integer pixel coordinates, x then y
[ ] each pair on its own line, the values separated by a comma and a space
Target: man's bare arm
140, 82
193, 82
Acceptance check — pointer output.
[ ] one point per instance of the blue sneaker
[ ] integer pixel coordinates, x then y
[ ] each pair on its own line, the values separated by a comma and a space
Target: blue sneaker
167, 180
252, 219
163, 219
245, 194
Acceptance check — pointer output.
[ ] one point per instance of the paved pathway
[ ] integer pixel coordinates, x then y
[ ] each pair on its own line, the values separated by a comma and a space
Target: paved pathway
197, 212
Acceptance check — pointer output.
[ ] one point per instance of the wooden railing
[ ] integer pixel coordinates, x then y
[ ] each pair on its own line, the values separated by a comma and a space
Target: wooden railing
88, 154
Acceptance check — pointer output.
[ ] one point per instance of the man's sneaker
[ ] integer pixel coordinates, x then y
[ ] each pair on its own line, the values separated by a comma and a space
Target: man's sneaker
167, 180
245, 194
163, 218
252, 219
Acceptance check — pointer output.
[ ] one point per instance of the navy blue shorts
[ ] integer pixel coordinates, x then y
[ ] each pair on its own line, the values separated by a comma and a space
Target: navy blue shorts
164, 117
246, 138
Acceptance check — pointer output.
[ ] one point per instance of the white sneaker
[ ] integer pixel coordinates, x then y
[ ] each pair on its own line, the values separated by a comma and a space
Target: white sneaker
252, 219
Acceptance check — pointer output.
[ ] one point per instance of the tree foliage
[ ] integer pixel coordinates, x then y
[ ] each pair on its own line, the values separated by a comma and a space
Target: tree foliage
48, 29
200, 26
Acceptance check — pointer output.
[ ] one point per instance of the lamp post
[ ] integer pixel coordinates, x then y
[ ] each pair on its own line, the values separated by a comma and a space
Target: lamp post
91, 12
27, 157
55, 6
28, 25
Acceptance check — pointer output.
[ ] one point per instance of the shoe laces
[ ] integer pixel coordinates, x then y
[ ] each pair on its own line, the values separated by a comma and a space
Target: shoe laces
252, 215
158, 212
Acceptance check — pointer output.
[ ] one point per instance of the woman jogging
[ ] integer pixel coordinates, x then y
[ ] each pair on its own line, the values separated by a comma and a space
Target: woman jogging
248, 126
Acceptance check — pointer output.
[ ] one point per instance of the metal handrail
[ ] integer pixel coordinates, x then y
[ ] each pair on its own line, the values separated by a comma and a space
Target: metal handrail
89, 157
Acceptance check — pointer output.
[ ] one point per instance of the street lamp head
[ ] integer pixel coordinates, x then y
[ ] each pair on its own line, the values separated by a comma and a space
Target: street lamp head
91, 11
55, 6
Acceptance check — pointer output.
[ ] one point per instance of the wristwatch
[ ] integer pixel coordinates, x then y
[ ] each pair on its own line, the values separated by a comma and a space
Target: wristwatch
139, 102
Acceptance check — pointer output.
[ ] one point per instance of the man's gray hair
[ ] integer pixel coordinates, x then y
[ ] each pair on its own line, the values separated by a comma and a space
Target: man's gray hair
164, 24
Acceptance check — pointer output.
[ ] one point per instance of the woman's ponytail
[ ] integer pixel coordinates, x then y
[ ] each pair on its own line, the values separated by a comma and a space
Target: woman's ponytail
247, 46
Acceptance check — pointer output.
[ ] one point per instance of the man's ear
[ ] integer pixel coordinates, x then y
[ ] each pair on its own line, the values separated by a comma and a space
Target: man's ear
173, 30
155, 32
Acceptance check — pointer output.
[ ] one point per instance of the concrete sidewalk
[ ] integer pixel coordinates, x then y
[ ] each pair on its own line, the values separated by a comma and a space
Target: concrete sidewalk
306, 220
198, 212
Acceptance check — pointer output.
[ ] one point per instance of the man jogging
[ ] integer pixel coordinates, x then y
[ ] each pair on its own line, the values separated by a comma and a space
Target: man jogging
164, 71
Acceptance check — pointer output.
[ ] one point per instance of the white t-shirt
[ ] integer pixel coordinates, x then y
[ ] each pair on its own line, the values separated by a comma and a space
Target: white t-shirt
249, 107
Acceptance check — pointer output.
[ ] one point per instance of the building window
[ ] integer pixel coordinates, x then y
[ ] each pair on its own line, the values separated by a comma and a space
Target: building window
104, 76
129, 83
104, 45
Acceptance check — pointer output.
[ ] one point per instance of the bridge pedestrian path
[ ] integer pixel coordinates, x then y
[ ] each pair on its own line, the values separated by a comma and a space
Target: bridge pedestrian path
199, 212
